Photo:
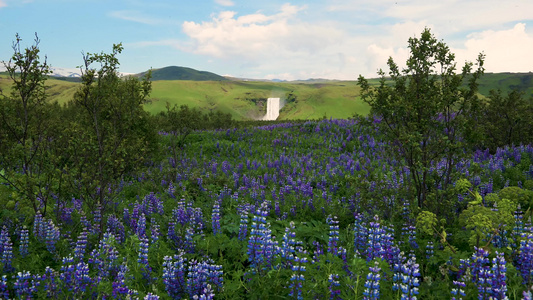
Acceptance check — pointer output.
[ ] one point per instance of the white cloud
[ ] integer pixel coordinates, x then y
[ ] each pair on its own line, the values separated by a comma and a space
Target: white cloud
298, 42
505, 50
225, 2
2, 3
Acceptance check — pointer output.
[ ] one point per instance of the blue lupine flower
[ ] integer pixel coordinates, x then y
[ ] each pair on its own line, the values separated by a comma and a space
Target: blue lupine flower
215, 218
458, 291
141, 226
6, 250
174, 275
81, 245
151, 296
297, 279
371, 291
52, 236
24, 286
4, 290
261, 245
333, 235
24, 241
334, 284
115, 226
429, 250
375, 235
243, 225
97, 218
360, 234
410, 279
49, 281
105, 258
525, 258
499, 276
143, 257
154, 231
481, 274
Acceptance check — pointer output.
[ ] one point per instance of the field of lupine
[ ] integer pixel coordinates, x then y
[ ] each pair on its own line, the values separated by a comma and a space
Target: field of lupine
312, 210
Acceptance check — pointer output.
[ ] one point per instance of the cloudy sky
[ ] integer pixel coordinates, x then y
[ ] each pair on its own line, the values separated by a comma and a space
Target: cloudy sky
270, 39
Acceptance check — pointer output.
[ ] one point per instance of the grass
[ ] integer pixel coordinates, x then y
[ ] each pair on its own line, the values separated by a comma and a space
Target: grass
331, 99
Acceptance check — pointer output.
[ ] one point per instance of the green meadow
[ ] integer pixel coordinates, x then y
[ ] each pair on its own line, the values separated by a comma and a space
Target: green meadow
335, 99
244, 100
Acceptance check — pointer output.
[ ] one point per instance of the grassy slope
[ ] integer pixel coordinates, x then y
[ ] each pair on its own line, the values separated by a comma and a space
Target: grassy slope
58, 90
336, 99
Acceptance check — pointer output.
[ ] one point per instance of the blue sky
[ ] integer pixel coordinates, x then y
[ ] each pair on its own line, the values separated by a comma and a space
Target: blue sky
270, 39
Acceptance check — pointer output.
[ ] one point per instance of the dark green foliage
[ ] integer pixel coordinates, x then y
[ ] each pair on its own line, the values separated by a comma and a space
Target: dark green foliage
517, 196
109, 134
424, 110
26, 129
506, 120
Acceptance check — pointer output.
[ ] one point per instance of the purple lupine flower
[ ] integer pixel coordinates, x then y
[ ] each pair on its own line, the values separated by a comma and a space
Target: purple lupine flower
458, 291
151, 296
4, 290
154, 231
141, 226
524, 262
409, 279
261, 245
499, 276
334, 284
24, 288
39, 227
243, 225
481, 272
152, 204
81, 245
189, 242
24, 241
197, 278
375, 234
104, 258
115, 226
52, 236
297, 278
215, 218
119, 285
429, 250
207, 294
49, 281
143, 257
6, 251
360, 234
288, 249
371, 291
333, 235
171, 234
174, 275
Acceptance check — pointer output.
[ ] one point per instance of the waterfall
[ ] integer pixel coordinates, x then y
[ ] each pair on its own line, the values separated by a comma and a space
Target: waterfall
272, 109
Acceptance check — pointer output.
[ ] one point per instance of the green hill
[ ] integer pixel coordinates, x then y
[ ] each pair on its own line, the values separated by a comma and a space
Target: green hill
183, 73
247, 99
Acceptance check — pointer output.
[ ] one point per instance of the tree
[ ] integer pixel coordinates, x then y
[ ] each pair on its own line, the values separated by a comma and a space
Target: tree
111, 134
424, 111
506, 120
25, 135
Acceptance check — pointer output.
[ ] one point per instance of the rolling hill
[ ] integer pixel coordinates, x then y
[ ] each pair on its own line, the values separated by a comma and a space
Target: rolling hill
245, 99
183, 73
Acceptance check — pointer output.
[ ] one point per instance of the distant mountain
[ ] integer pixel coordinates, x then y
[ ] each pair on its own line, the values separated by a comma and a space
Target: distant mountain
183, 73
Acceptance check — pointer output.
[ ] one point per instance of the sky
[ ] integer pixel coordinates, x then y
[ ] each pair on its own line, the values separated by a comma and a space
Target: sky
273, 39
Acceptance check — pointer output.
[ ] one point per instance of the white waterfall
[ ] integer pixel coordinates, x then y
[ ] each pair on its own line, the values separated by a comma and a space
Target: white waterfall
272, 109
